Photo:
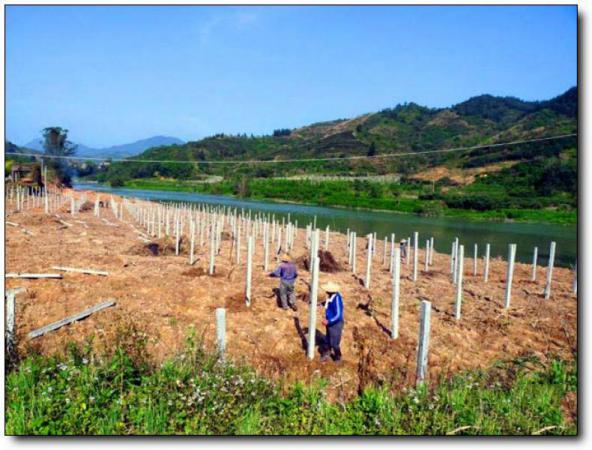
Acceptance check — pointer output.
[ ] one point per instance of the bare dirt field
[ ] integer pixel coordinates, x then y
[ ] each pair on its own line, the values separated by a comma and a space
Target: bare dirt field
164, 297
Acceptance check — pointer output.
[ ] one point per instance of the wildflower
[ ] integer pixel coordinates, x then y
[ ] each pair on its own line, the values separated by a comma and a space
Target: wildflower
84, 361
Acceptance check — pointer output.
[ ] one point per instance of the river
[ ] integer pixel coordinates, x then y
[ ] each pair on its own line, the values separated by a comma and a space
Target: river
444, 230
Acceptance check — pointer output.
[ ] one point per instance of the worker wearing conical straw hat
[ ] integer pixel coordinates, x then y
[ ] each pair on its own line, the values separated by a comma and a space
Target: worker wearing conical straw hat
287, 273
333, 321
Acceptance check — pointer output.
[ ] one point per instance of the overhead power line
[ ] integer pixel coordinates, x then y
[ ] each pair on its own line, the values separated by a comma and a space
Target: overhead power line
280, 161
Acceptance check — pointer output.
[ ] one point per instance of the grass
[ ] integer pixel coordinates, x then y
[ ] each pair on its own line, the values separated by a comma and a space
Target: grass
195, 394
379, 196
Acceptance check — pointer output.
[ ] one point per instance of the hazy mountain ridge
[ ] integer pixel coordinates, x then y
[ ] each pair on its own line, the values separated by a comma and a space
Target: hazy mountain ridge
115, 151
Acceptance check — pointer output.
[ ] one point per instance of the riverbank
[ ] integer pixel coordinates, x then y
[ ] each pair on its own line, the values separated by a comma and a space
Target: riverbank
331, 193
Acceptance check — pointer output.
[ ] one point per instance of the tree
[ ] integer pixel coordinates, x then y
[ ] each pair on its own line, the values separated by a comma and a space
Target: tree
372, 149
56, 145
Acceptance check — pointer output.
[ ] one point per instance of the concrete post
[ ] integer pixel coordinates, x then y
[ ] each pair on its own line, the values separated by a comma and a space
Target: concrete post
312, 319
423, 342
550, 271
459, 282
249, 270
221, 332
510, 274
368, 261
396, 281
415, 248
486, 269
535, 255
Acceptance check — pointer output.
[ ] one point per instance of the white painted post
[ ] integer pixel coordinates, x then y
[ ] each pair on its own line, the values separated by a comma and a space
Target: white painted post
510, 274
427, 256
46, 191
408, 243
423, 342
384, 247
392, 252
535, 255
10, 323
459, 282
455, 274
312, 319
238, 243
212, 254
177, 235
396, 282
431, 251
265, 246
221, 332
452, 253
327, 238
415, 248
475, 260
249, 270
354, 250
368, 261
486, 269
192, 244
575, 281
550, 270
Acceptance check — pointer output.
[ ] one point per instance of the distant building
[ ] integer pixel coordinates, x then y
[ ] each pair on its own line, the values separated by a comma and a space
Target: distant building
20, 171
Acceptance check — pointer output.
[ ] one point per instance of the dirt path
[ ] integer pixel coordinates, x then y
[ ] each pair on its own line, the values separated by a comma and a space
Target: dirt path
163, 297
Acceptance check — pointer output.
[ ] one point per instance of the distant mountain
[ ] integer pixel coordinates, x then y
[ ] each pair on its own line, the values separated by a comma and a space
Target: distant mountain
115, 151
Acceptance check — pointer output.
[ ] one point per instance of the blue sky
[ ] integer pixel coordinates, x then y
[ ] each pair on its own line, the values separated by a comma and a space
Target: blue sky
117, 74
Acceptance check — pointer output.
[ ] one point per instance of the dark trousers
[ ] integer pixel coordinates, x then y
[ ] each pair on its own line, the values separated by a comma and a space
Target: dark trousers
287, 295
333, 339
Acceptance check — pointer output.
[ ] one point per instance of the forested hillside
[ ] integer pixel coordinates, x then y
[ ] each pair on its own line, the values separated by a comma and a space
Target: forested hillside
405, 128
522, 181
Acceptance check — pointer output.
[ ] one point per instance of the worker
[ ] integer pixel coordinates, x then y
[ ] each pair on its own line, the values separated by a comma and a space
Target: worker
287, 273
403, 248
333, 321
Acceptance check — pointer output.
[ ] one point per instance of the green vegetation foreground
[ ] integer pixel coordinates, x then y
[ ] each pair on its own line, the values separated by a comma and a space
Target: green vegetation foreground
194, 394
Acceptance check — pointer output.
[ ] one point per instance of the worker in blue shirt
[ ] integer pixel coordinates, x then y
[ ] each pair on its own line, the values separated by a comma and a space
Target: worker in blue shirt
333, 321
287, 273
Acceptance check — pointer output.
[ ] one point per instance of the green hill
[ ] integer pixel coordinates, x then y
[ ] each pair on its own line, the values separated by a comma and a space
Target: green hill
404, 128
494, 181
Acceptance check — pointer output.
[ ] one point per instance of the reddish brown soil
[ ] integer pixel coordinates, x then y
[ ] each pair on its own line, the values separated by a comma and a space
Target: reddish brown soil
163, 297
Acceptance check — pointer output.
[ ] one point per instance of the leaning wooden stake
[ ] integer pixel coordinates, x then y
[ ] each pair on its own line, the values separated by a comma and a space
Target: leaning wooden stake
312, 318
249, 270
459, 282
34, 275
550, 271
396, 262
510, 274
60, 323
85, 271
221, 332
423, 342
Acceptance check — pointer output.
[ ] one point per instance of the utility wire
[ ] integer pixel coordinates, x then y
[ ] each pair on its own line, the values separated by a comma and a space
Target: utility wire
273, 161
